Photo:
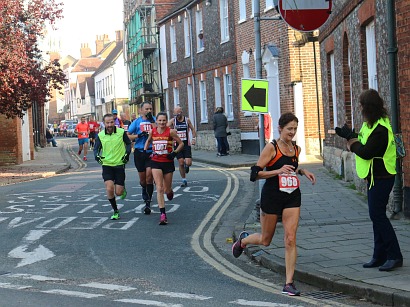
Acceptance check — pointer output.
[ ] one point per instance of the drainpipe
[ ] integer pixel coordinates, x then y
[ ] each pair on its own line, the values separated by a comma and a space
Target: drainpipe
392, 56
192, 67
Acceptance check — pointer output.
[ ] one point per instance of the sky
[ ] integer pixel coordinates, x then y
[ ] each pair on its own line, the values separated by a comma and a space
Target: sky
84, 20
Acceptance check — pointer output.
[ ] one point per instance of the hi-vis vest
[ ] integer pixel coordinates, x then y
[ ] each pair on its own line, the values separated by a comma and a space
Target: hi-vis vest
389, 158
113, 147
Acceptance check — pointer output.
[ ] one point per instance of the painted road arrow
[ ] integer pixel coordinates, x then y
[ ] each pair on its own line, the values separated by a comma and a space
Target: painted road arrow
256, 97
38, 254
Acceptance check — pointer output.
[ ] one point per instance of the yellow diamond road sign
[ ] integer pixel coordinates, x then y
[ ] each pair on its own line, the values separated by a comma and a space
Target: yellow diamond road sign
255, 95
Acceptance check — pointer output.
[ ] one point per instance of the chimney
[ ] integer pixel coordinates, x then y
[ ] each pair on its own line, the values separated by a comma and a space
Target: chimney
54, 56
118, 35
85, 51
101, 42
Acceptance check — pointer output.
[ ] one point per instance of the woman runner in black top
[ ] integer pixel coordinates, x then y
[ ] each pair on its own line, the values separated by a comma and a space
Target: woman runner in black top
280, 196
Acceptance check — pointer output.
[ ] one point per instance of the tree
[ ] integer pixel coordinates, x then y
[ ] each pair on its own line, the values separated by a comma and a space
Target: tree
25, 76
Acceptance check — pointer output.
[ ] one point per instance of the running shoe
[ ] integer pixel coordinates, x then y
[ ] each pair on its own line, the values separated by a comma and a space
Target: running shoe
163, 219
170, 195
124, 194
290, 289
147, 209
184, 183
237, 248
145, 195
186, 169
116, 215
79, 152
85, 158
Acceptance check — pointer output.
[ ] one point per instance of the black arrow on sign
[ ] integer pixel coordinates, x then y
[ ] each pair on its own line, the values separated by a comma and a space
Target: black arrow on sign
256, 97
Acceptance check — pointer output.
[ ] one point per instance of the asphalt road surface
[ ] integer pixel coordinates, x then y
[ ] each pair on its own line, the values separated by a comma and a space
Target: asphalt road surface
59, 247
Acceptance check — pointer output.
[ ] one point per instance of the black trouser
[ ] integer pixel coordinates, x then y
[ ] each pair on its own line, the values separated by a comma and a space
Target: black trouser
222, 142
386, 245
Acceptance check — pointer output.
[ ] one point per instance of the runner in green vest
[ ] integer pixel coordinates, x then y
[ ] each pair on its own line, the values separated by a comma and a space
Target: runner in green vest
375, 151
112, 150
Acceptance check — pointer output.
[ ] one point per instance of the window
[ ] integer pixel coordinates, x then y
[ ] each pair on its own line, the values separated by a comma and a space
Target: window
202, 96
371, 56
224, 20
173, 43
253, 8
242, 10
333, 89
228, 96
217, 86
199, 32
176, 96
269, 4
187, 38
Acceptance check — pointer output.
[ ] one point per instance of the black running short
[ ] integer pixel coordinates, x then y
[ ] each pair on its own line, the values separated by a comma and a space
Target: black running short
92, 135
141, 160
274, 201
166, 167
114, 173
185, 152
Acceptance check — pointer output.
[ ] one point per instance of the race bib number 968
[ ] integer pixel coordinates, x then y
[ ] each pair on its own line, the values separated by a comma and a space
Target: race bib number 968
288, 182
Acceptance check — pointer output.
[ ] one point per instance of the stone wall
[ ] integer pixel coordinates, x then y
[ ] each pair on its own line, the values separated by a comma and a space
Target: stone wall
206, 141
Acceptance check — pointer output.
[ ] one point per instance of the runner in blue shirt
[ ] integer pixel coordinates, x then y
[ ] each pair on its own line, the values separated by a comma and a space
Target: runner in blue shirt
138, 132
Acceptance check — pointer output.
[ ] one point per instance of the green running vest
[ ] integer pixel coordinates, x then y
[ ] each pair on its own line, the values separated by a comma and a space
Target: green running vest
389, 158
113, 147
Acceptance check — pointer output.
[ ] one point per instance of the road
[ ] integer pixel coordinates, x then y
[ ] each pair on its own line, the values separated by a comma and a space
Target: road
61, 249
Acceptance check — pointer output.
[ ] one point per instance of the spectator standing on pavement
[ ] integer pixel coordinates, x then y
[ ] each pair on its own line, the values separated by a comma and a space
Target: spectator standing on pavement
112, 150
125, 122
94, 128
83, 131
183, 126
138, 132
375, 152
117, 121
162, 161
220, 130
280, 196
50, 138
133, 117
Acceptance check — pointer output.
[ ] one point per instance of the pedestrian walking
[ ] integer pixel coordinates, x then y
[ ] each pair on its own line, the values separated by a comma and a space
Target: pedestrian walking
280, 196
162, 161
83, 131
112, 150
375, 153
220, 130
184, 128
138, 132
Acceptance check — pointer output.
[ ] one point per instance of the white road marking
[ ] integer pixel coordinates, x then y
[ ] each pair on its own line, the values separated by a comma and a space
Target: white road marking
148, 303
38, 254
217, 260
35, 277
181, 295
34, 235
73, 293
14, 287
259, 304
111, 287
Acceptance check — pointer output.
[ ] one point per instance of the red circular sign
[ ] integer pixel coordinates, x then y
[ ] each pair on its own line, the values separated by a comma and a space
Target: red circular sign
305, 15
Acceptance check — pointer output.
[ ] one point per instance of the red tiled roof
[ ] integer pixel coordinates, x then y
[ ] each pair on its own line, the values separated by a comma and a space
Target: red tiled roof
88, 64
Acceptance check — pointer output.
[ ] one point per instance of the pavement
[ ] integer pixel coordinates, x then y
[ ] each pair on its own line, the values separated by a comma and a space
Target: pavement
334, 238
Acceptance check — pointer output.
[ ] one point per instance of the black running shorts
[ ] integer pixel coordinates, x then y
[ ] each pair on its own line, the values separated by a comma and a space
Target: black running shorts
114, 173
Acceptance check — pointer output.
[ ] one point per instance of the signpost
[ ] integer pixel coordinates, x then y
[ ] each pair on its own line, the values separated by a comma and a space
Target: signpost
255, 95
305, 15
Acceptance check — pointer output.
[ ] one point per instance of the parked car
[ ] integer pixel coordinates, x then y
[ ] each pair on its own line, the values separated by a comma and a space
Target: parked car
71, 131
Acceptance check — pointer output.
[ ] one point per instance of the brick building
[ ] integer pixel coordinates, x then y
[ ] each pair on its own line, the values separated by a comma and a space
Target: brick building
355, 53
199, 70
289, 66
